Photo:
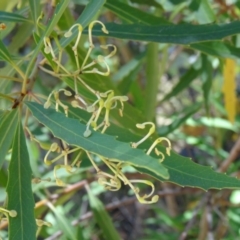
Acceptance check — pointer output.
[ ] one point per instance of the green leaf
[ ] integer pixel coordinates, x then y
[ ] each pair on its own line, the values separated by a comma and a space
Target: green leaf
204, 11
90, 11
52, 23
63, 222
102, 217
181, 117
20, 197
7, 129
218, 49
178, 34
3, 178
127, 74
183, 83
184, 172
71, 131
133, 15
214, 123
47, 56
12, 17
67, 20
4, 54
35, 10
148, 3
207, 77
130, 66
23, 33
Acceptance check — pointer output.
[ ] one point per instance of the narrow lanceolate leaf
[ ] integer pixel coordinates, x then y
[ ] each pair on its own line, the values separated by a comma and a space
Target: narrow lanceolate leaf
71, 131
35, 10
204, 12
8, 126
183, 83
4, 54
20, 197
63, 223
127, 74
184, 172
217, 48
12, 17
179, 34
180, 119
229, 88
131, 14
102, 218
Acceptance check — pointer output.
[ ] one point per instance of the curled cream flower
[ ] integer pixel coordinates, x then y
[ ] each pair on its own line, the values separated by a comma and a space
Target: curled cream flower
109, 181
64, 154
91, 46
150, 132
57, 100
113, 182
157, 141
74, 48
68, 168
11, 213
41, 223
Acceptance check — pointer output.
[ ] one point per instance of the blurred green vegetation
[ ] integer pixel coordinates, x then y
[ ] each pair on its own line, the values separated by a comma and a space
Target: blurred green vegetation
178, 63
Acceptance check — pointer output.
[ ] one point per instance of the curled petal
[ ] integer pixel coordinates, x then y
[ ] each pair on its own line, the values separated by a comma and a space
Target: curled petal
159, 153
54, 148
41, 223
11, 213
67, 93
69, 32
47, 104
154, 199
113, 184
159, 140
75, 104
87, 132
112, 52
150, 132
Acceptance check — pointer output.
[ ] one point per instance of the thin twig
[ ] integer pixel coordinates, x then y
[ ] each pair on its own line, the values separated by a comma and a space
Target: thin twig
234, 153
190, 224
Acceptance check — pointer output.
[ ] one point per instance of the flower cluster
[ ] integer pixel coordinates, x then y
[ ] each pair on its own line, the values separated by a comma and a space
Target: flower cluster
104, 103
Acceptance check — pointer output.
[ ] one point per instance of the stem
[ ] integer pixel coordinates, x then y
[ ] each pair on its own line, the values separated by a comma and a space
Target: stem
154, 71
21, 73
6, 97
152, 75
11, 78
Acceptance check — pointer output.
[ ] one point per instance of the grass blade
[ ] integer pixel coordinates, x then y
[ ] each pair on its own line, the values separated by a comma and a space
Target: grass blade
12, 17
4, 54
102, 217
35, 10
183, 83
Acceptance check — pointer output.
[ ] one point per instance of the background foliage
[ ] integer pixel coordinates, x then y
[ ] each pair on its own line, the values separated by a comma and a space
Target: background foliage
177, 61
